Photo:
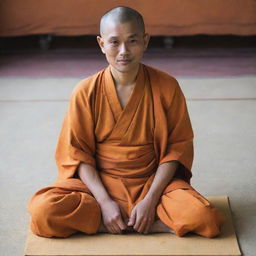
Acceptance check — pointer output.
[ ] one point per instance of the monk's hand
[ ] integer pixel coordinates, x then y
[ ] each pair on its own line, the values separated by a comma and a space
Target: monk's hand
112, 217
143, 216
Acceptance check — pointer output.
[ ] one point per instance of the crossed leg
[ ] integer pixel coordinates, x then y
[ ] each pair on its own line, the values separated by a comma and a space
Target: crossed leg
64, 209
185, 210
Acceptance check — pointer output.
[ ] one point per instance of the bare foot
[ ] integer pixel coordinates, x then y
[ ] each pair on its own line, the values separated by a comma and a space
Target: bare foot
159, 227
102, 229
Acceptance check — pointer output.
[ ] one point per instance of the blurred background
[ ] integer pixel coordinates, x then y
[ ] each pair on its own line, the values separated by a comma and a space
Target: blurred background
47, 46
57, 38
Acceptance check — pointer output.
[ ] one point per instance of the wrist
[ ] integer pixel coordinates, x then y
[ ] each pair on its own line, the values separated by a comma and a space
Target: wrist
153, 198
103, 199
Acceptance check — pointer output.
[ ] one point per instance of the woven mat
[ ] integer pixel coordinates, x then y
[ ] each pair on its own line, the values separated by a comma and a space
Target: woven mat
143, 245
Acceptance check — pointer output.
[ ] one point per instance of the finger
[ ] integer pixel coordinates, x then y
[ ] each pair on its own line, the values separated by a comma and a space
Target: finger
121, 224
132, 219
137, 223
116, 229
142, 225
117, 226
110, 229
147, 228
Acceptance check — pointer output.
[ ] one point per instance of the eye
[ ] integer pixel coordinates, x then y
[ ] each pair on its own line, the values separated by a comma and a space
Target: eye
115, 42
133, 41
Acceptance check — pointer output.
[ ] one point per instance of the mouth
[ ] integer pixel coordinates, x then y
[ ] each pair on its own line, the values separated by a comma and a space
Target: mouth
124, 61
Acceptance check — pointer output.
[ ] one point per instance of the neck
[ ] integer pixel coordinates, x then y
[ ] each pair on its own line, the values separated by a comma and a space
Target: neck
124, 78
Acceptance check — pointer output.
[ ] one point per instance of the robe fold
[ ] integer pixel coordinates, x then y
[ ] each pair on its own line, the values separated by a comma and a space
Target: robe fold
153, 128
126, 146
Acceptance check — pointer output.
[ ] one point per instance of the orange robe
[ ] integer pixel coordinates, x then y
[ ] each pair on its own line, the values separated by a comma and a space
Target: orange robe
126, 146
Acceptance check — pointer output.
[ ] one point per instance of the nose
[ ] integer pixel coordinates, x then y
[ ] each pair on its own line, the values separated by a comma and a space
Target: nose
123, 49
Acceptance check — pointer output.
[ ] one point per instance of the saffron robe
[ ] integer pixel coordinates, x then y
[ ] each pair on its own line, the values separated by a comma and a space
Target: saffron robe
126, 146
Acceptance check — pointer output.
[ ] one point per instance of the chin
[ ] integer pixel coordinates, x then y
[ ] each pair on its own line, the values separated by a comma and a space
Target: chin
125, 68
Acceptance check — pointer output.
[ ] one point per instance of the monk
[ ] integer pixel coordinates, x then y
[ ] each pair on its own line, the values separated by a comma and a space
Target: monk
125, 150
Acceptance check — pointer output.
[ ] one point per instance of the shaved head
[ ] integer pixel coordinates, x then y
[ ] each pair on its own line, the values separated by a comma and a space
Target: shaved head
121, 15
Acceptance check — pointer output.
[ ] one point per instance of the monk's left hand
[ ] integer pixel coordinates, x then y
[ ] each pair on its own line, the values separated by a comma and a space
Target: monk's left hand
143, 216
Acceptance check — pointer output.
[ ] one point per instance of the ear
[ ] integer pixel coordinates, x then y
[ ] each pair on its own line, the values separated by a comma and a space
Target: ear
146, 41
101, 44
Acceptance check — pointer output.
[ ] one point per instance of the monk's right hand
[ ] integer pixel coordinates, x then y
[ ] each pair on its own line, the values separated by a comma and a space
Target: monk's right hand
112, 217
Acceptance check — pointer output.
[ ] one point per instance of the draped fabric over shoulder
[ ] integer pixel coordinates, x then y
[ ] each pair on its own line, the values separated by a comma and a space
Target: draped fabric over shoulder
126, 146
155, 115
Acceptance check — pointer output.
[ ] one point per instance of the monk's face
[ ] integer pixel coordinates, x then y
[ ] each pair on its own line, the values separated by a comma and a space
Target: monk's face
123, 44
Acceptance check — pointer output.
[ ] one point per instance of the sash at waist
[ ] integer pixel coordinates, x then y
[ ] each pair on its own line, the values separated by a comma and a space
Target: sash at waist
126, 161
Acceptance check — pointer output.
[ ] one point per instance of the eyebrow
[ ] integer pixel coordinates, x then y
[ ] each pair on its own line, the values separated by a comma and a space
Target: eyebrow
131, 36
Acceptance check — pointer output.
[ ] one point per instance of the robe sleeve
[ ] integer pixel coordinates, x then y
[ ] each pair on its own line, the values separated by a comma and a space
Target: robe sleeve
76, 142
180, 135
